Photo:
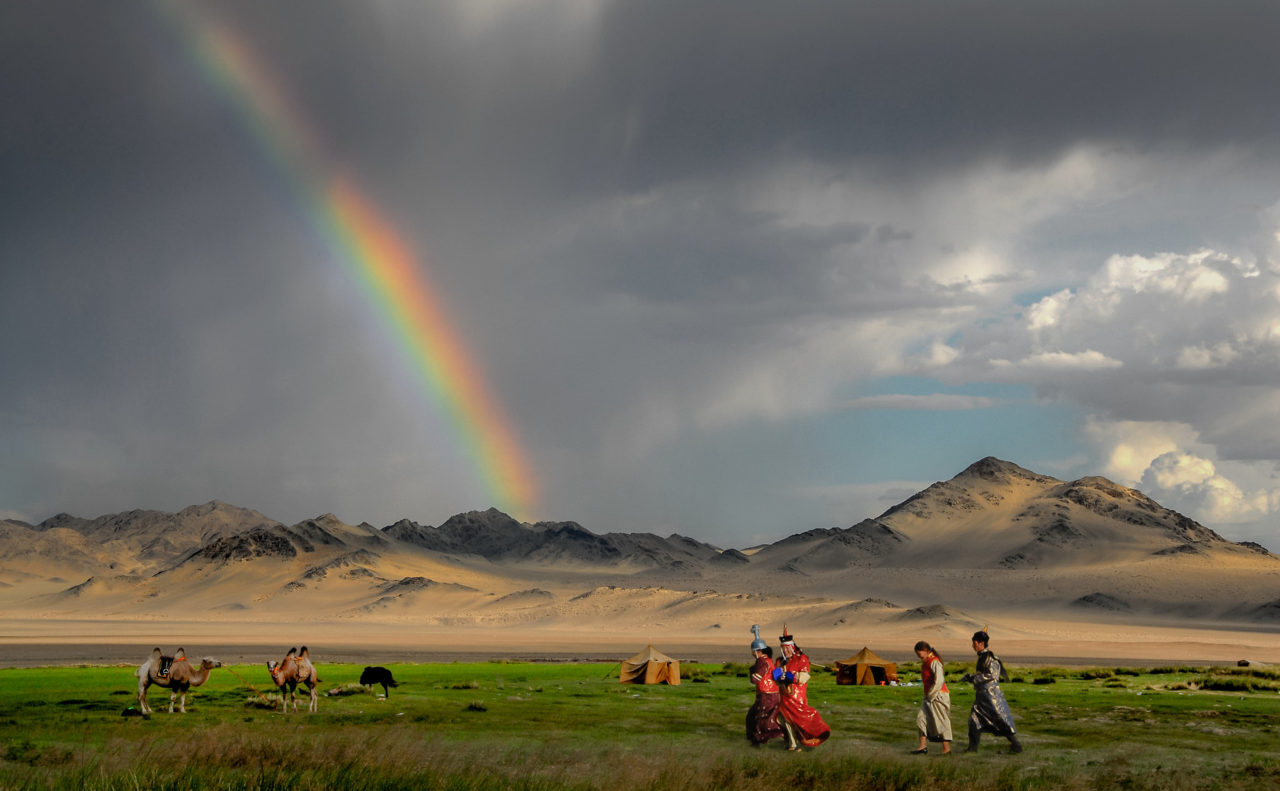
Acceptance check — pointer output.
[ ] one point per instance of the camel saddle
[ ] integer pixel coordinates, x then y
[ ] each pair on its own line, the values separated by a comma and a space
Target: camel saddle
166, 662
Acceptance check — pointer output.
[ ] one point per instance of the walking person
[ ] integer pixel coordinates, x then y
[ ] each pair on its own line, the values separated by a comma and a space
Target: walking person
990, 713
803, 724
762, 717
933, 721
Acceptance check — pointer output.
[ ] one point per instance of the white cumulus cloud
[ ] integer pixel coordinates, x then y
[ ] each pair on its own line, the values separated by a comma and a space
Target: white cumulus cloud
1087, 359
1169, 463
1192, 485
1173, 469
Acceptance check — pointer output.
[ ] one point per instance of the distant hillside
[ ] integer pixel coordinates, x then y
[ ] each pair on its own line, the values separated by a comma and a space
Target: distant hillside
497, 537
995, 535
141, 542
995, 514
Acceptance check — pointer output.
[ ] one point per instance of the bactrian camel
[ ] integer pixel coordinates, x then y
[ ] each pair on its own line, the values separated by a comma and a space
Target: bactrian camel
181, 676
288, 673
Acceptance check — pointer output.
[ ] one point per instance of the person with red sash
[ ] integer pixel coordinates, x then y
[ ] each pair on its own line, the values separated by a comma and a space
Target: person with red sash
803, 724
762, 717
933, 721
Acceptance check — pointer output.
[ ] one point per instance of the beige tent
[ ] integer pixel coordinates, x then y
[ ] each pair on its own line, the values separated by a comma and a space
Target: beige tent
865, 667
650, 666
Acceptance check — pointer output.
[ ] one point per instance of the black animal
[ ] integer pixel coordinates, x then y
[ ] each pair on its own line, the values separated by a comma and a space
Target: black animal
378, 675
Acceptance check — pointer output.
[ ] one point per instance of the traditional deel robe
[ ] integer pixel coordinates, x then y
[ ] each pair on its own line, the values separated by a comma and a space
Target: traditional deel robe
934, 718
762, 717
990, 713
795, 703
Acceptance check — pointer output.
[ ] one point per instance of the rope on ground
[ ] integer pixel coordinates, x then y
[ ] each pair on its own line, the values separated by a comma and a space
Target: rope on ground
250, 686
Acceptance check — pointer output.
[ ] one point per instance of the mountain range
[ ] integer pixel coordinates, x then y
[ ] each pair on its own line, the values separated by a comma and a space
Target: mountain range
994, 541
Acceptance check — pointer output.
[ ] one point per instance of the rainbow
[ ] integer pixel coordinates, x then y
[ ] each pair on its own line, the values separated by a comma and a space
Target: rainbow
379, 262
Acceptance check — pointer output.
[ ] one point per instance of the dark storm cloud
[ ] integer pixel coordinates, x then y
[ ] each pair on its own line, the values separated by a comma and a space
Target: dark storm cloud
661, 91
935, 80
732, 267
586, 184
706, 252
679, 88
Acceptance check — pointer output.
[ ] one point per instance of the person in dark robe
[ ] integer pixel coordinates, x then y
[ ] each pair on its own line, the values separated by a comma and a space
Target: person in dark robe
990, 712
762, 717
802, 723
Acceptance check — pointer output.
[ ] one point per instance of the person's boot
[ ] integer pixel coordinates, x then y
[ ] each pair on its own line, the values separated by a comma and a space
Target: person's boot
974, 736
1015, 746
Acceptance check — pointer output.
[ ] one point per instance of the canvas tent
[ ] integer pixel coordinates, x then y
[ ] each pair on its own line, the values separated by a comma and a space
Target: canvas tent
650, 666
865, 667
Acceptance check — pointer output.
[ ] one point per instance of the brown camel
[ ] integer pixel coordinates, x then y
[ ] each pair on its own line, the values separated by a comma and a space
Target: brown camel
178, 677
288, 673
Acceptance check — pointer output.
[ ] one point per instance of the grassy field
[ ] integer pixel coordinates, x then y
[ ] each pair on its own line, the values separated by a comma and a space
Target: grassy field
572, 726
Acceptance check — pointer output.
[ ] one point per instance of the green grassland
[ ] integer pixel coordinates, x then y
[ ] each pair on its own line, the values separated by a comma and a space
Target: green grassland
573, 726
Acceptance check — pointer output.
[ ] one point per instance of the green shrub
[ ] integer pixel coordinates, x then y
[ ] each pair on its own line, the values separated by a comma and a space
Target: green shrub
1175, 670
1252, 672
1235, 684
736, 669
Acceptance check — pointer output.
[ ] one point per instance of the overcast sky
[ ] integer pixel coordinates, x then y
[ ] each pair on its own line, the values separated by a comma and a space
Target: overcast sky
732, 269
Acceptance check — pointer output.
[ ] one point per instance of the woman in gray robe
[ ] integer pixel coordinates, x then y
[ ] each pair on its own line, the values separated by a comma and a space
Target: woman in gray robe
933, 721
990, 713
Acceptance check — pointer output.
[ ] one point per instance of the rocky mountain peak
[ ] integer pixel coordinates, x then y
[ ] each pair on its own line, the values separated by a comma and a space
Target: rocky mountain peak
490, 519
204, 509
999, 471
63, 519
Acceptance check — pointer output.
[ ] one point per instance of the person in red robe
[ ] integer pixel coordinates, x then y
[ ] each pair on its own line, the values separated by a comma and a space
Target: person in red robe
762, 717
803, 724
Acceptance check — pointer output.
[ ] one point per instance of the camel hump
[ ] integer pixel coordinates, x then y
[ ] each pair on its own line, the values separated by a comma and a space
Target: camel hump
156, 653
303, 653
292, 652
181, 653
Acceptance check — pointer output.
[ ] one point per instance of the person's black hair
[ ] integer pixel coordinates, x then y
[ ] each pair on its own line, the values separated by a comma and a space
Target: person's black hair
767, 651
923, 646
982, 637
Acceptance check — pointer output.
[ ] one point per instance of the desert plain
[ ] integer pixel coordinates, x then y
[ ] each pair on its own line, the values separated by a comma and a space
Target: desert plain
1059, 572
